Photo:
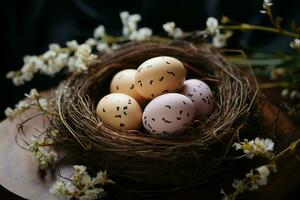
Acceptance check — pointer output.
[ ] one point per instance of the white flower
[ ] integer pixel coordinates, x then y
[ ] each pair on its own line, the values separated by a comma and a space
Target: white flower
220, 39
124, 16
99, 32
54, 47
33, 94
172, 30
141, 34
82, 58
103, 47
133, 21
102, 178
91, 42
238, 184
259, 178
9, 112
72, 44
295, 44
130, 27
79, 169
212, 25
92, 194
262, 147
43, 103
225, 196
59, 189
267, 3
295, 94
80, 186
263, 174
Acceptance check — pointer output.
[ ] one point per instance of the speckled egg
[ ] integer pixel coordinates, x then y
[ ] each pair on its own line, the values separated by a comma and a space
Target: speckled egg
123, 82
201, 95
120, 111
159, 75
168, 113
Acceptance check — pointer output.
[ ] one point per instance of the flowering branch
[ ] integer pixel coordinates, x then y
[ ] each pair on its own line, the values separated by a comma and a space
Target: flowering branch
81, 185
258, 176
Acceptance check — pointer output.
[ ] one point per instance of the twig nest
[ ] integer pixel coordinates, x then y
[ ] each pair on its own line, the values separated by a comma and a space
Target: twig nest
141, 160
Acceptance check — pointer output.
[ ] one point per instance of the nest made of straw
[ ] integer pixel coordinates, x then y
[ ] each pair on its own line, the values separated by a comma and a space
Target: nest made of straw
143, 158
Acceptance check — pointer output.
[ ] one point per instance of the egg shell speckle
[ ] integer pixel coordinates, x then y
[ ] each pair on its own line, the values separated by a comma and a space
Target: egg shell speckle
201, 95
123, 82
168, 113
159, 75
120, 111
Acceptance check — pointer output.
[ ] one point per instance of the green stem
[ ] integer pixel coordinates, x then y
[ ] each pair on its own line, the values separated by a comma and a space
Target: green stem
292, 147
260, 28
273, 85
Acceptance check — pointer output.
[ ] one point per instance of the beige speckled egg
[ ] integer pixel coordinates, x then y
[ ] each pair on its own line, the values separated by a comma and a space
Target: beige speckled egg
120, 111
159, 75
123, 82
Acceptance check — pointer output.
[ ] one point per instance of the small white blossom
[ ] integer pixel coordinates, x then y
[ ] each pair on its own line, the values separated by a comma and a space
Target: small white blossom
141, 34
80, 185
41, 152
259, 178
82, 58
130, 27
225, 196
102, 178
267, 3
99, 32
54, 47
285, 93
295, 94
33, 94
103, 47
212, 25
220, 39
91, 42
262, 147
295, 44
20, 107
172, 30
72, 44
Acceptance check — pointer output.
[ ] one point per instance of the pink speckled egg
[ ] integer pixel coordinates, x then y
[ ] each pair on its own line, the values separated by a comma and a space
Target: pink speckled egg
168, 113
201, 95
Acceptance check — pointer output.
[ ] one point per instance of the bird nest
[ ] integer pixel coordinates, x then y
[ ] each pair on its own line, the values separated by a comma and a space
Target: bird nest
140, 160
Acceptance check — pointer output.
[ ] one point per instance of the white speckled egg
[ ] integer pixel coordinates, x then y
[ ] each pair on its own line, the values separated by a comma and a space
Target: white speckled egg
168, 113
159, 75
123, 82
201, 95
120, 111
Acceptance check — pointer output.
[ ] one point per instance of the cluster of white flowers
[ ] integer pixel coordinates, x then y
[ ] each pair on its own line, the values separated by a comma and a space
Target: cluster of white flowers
292, 95
258, 146
75, 57
266, 5
172, 30
34, 101
81, 186
41, 150
253, 180
219, 39
130, 27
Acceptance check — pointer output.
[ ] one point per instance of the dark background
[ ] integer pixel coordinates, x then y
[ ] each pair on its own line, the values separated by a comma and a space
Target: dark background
27, 27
